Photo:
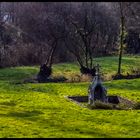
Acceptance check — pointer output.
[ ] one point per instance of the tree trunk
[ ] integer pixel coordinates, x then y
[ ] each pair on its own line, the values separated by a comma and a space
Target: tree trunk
121, 41
46, 69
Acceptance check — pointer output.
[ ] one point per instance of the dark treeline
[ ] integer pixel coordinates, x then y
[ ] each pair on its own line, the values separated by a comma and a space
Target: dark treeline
50, 32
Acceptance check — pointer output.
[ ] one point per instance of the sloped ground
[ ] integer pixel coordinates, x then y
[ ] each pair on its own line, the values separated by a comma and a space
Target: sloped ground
41, 110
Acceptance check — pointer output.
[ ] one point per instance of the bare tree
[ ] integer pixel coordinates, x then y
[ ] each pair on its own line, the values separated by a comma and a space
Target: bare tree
122, 24
87, 33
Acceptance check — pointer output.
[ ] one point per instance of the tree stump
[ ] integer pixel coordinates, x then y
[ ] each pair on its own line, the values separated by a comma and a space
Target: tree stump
85, 70
44, 73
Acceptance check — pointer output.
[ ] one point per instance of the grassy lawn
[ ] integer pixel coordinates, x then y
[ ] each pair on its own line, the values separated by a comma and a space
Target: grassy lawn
109, 66
41, 110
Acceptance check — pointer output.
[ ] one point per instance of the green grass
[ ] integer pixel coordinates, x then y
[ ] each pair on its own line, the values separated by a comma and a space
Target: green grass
71, 70
109, 66
41, 110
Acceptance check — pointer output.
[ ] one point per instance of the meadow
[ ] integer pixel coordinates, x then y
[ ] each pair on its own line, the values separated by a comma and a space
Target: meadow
41, 110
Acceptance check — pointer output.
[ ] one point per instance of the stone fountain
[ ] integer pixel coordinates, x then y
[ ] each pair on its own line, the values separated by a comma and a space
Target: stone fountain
96, 90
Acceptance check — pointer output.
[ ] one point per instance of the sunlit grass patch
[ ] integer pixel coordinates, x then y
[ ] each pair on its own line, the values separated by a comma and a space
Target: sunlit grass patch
35, 110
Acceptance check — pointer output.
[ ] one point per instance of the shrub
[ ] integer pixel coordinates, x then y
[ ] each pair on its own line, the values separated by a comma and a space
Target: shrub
135, 70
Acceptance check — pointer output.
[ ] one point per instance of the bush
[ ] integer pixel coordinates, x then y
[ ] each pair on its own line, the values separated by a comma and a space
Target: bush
135, 70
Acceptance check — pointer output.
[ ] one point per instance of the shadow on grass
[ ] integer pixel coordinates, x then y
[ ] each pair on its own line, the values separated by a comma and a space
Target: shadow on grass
29, 115
8, 103
25, 113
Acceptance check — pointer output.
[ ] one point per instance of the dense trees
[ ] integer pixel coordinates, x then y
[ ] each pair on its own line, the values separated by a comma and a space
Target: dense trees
133, 26
51, 32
